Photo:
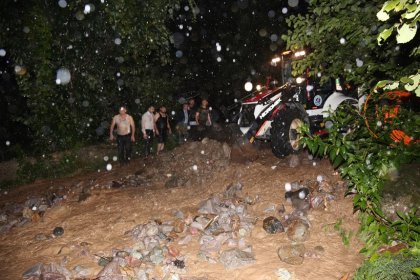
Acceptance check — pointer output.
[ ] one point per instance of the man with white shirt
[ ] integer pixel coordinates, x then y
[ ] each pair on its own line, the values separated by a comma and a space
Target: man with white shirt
125, 134
148, 128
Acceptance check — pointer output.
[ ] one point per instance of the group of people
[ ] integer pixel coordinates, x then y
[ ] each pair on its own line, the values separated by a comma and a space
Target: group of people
157, 125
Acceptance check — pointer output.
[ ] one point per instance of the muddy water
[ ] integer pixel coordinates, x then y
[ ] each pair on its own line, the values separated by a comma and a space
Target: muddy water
99, 224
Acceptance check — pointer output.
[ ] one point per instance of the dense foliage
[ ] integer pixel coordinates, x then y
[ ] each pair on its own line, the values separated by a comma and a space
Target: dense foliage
369, 144
76, 62
341, 37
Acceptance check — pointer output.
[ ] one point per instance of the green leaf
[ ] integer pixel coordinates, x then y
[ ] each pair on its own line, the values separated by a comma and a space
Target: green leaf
416, 271
406, 33
382, 15
383, 36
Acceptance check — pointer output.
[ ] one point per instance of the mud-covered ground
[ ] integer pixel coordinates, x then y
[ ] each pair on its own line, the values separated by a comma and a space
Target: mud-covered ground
99, 211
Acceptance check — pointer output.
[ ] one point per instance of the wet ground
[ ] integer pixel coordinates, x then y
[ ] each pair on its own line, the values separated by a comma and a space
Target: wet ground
99, 211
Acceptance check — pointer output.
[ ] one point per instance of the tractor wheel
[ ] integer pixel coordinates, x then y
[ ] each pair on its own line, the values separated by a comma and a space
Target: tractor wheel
285, 136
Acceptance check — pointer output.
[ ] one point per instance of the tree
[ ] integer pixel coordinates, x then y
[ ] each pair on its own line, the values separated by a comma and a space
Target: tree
77, 62
342, 39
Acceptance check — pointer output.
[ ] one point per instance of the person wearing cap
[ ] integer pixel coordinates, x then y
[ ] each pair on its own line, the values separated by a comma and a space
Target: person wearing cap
125, 134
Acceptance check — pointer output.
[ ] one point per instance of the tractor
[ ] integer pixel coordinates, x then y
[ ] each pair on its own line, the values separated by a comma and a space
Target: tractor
275, 112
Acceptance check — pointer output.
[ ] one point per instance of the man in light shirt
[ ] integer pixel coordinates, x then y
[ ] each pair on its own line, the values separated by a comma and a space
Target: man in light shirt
125, 134
148, 128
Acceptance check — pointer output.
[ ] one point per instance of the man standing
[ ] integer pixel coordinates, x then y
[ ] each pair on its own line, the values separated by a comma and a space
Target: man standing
125, 134
183, 118
148, 128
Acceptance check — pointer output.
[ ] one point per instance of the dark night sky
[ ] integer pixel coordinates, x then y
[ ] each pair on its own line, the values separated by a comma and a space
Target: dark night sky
229, 43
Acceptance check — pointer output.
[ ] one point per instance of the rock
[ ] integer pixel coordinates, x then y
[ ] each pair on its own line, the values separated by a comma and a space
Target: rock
298, 231
283, 274
172, 182
294, 161
156, 256
27, 213
33, 272
173, 251
179, 226
233, 190
292, 254
81, 271
226, 150
270, 208
185, 240
110, 272
58, 231
272, 225
234, 258
41, 237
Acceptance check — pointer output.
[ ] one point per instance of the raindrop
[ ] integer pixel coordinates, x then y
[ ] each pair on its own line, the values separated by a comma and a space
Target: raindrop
26, 29
137, 101
342, 41
284, 10
7, 143
359, 62
181, 26
117, 41
62, 3
179, 54
80, 15
248, 86
114, 158
2, 52
18, 69
219, 59
309, 87
319, 74
109, 167
319, 178
262, 32
186, 8
177, 39
273, 47
85, 103
63, 75
271, 14
218, 47
293, 3
106, 158
195, 168
274, 37
87, 9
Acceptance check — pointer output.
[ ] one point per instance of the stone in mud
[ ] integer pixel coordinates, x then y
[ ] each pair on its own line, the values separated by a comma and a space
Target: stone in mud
298, 231
272, 225
110, 272
226, 150
41, 237
294, 161
33, 272
179, 226
173, 182
283, 274
234, 258
58, 231
292, 253
156, 256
